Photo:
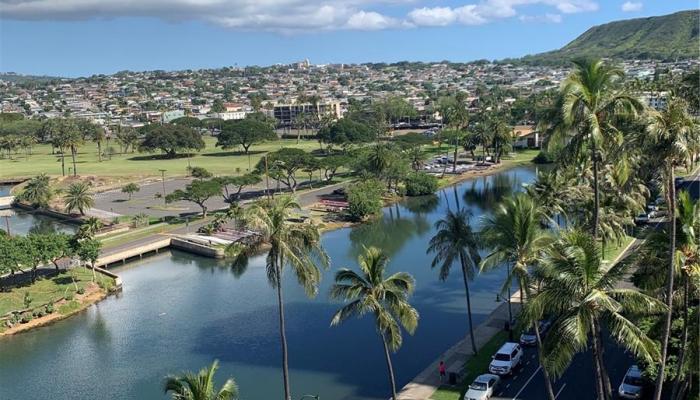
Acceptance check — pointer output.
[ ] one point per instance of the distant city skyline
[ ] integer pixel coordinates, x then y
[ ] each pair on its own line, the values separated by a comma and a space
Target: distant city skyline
74, 38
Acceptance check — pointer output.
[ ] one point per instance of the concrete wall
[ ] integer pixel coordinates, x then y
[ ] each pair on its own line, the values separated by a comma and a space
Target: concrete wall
197, 248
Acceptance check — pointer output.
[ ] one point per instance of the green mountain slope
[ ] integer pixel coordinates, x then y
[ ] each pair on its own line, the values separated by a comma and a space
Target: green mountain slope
666, 37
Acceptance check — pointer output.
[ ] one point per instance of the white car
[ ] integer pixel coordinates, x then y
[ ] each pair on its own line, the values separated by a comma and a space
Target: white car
508, 357
631, 386
482, 388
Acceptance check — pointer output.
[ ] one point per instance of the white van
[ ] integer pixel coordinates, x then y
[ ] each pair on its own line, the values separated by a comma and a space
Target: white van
508, 357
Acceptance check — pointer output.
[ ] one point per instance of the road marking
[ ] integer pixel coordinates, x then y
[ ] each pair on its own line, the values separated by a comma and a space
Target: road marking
559, 392
527, 363
526, 383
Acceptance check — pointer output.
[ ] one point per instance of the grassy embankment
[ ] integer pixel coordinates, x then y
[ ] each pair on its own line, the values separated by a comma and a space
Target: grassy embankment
59, 289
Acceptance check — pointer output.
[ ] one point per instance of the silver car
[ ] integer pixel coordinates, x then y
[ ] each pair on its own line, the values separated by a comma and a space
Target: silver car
631, 386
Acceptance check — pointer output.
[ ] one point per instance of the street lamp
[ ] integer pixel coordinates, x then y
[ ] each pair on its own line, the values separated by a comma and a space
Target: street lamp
162, 174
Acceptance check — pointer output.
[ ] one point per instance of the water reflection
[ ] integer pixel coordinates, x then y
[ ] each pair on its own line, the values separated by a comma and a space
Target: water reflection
486, 192
390, 233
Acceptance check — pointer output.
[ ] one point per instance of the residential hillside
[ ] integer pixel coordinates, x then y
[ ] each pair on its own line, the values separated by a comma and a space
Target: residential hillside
667, 37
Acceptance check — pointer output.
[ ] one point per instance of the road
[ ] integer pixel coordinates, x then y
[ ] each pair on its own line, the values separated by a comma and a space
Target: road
577, 383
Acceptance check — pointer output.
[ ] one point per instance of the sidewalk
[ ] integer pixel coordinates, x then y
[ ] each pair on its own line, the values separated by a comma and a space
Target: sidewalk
427, 382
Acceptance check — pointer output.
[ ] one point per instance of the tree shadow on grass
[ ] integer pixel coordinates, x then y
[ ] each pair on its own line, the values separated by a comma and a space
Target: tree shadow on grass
232, 153
150, 157
62, 280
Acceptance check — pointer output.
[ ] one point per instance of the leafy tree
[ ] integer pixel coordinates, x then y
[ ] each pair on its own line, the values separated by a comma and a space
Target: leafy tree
283, 165
64, 136
15, 253
199, 172
190, 122
346, 131
292, 245
365, 199
38, 192
200, 386
455, 242
127, 137
91, 131
170, 139
245, 133
332, 163
78, 197
238, 182
421, 184
88, 250
130, 188
218, 106
371, 291
198, 192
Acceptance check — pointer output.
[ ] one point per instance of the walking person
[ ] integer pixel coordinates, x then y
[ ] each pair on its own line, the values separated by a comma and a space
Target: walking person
442, 371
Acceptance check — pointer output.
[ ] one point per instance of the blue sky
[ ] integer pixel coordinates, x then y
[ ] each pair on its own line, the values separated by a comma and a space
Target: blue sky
84, 37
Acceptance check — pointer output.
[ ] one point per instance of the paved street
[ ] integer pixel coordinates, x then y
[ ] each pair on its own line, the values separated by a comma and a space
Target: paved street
577, 383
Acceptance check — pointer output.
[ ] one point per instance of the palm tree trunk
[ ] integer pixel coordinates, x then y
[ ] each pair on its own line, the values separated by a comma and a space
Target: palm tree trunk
72, 153
99, 151
596, 195
684, 341
469, 302
283, 335
510, 309
540, 356
63, 162
390, 367
671, 201
601, 361
596, 364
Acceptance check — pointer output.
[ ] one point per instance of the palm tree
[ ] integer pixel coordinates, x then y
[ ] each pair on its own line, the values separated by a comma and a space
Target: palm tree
674, 134
78, 197
90, 227
371, 291
581, 295
688, 256
515, 237
200, 386
294, 245
590, 101
38, 191
456, 242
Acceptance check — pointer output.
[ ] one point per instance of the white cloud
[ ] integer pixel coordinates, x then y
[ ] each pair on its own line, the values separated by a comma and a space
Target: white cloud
294, 16
553, 18
370, 21
631, 6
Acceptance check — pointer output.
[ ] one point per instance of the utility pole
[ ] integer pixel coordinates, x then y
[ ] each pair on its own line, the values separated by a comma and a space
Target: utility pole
162, 175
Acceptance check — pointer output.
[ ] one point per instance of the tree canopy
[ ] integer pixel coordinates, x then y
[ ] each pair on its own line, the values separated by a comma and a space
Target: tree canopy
171, 139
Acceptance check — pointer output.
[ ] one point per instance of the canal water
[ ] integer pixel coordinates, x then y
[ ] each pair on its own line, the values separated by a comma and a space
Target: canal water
179, 312
23, 222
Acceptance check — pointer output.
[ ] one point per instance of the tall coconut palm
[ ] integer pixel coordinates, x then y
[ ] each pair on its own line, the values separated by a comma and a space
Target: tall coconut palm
591, 98
674, 134
386, 297
514, 235
455, 242
200, 386
292, 245
78, 197
581, 295
688, 256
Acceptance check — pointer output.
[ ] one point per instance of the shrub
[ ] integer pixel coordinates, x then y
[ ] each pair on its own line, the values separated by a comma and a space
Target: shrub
26, 317
81, 291
543, 157
365, 199
421, 184
49, 308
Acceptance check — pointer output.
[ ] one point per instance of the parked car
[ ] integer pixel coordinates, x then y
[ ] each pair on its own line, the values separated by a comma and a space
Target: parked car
483, 387
642, 218
528, 338
506, 359
632, 383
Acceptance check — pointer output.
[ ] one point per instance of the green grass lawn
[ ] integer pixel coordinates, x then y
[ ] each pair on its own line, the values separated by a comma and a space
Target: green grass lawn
48, 289
140, 165
613, 250
475, 366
